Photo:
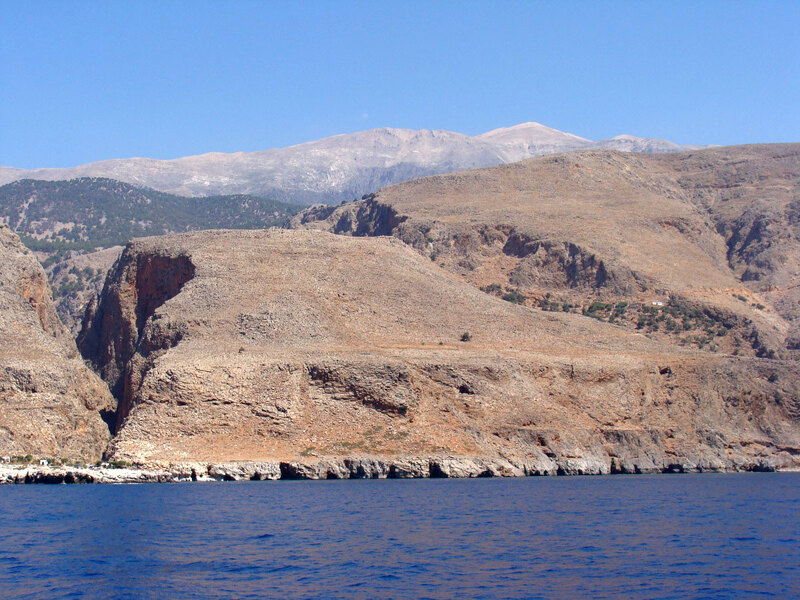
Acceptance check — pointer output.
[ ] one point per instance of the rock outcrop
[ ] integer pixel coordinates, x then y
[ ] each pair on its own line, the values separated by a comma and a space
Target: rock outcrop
50, 402
333, 356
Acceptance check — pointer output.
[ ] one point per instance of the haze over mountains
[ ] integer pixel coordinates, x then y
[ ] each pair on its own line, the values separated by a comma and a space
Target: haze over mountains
341, 167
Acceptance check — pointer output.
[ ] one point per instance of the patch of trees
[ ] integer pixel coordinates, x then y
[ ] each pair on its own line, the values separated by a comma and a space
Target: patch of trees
89, 213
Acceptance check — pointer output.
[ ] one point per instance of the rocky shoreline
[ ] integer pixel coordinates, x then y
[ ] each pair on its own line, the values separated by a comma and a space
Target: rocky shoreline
368, 468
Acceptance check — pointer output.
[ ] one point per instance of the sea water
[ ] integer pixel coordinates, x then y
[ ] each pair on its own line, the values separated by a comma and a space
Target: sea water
663, 536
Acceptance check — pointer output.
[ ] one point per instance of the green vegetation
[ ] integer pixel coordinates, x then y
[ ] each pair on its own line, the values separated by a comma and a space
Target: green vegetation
514, 296
465, 337
62, 218
547, 303
694, 325
89, 213
606, 311
509, 295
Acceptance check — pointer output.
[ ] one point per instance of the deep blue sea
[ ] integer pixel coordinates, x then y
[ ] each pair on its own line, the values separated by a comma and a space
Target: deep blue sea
663, 536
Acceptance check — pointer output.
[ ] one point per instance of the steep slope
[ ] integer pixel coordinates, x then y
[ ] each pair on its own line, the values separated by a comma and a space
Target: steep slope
712, 235
341, 167
73, 224
341, 356
50, 403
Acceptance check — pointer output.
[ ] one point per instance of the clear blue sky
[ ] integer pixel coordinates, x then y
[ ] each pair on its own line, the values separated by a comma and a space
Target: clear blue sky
81, 82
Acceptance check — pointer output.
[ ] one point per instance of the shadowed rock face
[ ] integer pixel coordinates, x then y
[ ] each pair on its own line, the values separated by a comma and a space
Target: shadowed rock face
136, 288
50, 403
335, 356
718, 229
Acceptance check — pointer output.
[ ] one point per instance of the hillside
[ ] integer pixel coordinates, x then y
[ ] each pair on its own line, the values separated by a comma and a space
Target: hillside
712, 235
50, 402
269, 347
75, 225
91, 213
341, 167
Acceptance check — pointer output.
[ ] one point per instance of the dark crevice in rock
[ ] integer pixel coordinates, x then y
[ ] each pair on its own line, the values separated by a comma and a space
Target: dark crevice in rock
109, 418
159, 278
673, 468
121, 326
371, 218
367, 217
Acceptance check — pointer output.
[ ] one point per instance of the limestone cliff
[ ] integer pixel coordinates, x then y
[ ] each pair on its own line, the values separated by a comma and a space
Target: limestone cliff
351, 356
50, 402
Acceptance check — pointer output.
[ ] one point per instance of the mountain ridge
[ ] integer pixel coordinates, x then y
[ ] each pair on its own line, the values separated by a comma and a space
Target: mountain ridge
339, 167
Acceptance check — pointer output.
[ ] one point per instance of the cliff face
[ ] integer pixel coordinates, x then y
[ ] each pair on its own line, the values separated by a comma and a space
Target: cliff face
716, 231
50, 403
330, 353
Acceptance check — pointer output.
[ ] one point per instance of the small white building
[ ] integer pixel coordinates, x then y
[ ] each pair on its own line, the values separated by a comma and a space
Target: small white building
657, 303
43, 462
5, 459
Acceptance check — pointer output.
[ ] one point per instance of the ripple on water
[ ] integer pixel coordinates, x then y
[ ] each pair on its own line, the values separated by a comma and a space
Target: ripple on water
711, 536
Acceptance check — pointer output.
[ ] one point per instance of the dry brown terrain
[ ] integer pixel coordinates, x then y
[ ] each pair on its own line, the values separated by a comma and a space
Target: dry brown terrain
50, 402
713, 234
317, 349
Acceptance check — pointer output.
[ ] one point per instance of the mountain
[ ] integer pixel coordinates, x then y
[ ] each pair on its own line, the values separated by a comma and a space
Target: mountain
92, 212
341, 167
701, 248
315, 355
51, 404
78, 227
585, 312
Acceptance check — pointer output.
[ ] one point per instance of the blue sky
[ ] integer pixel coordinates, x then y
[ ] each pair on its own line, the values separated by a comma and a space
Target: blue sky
81, 82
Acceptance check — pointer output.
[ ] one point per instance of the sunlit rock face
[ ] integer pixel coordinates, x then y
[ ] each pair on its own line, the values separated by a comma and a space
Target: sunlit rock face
50, 402
330, 356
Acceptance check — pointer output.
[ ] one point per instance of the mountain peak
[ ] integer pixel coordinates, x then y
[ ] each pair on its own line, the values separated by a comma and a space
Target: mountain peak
342, 166
530, 133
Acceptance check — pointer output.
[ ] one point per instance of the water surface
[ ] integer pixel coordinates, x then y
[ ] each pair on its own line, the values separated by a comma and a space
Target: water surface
698, 536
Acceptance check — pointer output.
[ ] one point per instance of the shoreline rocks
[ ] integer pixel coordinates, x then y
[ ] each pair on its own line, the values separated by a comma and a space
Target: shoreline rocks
441, 467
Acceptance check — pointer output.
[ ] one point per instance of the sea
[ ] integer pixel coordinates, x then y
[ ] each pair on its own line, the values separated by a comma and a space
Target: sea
636, 536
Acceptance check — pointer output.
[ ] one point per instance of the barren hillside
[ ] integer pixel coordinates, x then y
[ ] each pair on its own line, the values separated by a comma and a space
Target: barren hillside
712, 235
331, 353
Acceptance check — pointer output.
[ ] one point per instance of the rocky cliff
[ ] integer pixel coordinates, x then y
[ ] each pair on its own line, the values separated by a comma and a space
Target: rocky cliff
712, 235
50, 402
319, 355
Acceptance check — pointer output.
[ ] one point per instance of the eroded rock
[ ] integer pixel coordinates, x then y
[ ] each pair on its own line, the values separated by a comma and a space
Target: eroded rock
341, 357
51, 404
